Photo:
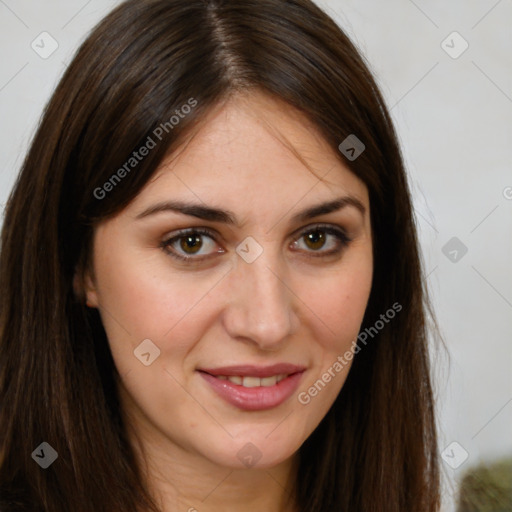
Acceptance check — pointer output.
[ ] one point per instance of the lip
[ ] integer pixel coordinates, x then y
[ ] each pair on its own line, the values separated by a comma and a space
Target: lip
257, 398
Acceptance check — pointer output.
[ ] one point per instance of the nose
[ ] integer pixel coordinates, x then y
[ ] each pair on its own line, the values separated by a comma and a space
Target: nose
260, 306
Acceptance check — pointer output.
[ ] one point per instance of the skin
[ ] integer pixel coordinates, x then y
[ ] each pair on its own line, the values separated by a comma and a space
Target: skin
253, 156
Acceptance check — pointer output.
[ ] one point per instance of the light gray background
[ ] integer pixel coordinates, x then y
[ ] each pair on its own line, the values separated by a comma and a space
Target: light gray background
454, 119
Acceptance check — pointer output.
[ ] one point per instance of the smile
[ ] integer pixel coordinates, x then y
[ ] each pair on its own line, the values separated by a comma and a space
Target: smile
254, 388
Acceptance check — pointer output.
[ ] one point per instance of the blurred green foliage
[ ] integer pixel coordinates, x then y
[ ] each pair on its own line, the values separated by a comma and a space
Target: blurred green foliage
487, 488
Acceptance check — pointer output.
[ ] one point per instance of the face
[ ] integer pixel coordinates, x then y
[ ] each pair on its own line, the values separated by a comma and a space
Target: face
232, 285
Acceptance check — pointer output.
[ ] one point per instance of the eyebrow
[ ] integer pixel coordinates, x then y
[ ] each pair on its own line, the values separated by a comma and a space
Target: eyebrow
227, 217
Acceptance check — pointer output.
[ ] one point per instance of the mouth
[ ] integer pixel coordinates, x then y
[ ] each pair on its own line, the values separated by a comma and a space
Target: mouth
253, 388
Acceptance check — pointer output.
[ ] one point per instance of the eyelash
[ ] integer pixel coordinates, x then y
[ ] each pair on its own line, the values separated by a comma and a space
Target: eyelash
343, 239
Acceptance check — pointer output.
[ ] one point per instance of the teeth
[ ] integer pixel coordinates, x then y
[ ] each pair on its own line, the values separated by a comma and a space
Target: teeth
253, 382
269, 381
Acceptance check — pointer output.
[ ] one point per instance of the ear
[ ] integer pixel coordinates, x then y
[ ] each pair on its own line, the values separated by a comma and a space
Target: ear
85, 289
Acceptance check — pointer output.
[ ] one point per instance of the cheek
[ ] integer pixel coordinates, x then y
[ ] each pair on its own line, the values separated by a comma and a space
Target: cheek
141, 297
339, 303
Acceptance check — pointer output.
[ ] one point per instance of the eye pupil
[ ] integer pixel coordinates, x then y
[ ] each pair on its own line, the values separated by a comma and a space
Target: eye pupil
191, 243
315, 239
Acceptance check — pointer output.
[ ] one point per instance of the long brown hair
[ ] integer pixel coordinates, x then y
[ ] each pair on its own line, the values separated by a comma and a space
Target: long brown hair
376, 449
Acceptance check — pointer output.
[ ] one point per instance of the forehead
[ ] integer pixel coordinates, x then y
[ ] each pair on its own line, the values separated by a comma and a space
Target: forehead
254, 151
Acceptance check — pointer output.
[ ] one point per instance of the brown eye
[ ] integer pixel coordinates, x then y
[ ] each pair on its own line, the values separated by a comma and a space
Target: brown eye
191, 244
322, 241
315, 239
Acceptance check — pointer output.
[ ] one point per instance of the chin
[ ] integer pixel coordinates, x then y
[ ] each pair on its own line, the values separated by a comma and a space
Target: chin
255, 454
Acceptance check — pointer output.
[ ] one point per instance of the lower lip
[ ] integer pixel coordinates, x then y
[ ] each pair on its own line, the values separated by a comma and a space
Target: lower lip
254, 399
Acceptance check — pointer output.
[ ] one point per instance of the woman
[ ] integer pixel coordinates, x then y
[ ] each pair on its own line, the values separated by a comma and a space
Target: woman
211, 288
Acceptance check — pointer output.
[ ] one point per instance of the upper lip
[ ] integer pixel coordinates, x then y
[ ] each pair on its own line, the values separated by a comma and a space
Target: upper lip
255, 371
